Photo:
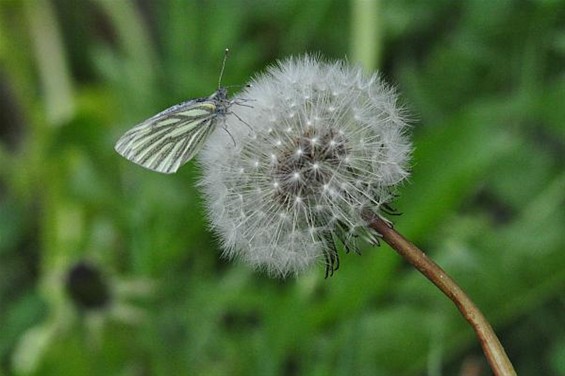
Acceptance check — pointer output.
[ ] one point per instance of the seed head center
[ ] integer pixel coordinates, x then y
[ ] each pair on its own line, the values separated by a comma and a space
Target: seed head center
306, 163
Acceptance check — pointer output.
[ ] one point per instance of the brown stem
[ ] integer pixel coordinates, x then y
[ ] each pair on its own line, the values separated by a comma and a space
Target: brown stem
494, 352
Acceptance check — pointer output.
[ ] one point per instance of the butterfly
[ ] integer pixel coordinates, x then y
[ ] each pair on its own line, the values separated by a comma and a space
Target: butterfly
168, 140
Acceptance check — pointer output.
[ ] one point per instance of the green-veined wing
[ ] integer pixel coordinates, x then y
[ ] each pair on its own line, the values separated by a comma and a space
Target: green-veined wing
171, 138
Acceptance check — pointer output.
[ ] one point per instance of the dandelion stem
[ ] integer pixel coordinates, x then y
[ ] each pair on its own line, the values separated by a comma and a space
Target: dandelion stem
494, 352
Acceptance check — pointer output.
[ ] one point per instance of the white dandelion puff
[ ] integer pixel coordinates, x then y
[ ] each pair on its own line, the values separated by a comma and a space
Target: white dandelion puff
319, 143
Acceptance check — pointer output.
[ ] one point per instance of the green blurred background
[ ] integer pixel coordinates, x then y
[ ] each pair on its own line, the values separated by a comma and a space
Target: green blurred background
109, 269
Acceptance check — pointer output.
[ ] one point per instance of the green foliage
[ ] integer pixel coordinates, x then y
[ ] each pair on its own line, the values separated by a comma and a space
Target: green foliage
485, 82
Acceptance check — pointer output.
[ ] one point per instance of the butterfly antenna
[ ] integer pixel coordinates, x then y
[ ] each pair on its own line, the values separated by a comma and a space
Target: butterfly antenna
223, 66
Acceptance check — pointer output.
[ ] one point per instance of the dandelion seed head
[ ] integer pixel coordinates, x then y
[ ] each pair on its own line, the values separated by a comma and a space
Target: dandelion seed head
326, 142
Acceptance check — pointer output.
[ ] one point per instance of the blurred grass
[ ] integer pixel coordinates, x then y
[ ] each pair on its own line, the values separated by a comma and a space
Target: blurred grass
485, 81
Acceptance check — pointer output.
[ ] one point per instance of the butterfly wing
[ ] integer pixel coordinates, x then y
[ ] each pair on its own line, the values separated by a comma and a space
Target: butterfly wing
171, 138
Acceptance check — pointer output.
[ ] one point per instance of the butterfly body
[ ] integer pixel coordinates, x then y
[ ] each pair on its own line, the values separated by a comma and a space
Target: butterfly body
171, 138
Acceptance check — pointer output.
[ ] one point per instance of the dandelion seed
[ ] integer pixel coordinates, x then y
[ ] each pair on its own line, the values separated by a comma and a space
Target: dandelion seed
333, 146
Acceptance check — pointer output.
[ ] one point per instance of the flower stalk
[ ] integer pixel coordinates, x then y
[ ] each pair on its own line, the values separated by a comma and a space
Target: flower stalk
492, 348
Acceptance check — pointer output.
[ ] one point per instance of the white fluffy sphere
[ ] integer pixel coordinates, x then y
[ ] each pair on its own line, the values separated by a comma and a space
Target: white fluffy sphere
314, 145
